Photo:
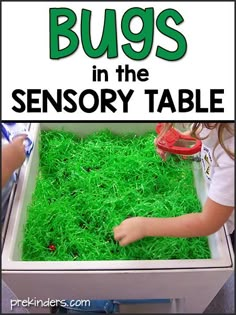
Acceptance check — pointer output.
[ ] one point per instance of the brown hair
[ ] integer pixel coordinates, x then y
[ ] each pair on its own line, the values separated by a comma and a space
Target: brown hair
197, 128
222, 128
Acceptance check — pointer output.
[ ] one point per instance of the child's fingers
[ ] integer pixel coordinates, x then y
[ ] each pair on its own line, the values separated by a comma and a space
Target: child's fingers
19, 139
18, 145
118, 233
121, 236
160, 152
124, 241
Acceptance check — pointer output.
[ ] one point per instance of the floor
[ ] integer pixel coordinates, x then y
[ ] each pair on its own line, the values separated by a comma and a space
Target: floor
223, 303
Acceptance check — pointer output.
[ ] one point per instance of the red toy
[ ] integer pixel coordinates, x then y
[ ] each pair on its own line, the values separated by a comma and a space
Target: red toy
168, 143
52, 248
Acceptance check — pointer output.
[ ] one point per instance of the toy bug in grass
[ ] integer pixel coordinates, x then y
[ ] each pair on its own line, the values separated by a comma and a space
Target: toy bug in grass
52, 247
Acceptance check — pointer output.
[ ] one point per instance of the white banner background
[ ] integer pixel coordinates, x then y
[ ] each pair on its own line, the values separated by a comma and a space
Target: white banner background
208, 64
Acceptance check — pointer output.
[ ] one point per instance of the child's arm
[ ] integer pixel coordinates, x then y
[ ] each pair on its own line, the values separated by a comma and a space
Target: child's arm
13, 156
210, 220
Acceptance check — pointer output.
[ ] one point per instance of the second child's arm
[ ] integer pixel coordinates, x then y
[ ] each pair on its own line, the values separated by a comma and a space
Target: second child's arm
210, 220
13, 156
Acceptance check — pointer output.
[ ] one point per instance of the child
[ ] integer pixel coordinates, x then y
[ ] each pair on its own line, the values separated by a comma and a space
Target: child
217, 156
13, 156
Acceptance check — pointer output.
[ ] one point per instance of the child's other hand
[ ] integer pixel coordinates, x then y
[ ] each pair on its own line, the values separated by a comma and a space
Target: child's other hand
160, 152
13, 156
18, 151
130, 230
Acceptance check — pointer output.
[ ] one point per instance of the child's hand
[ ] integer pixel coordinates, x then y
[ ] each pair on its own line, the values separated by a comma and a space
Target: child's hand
13, 156
15, 153
130, 230
18, 151
180, 143
163, 154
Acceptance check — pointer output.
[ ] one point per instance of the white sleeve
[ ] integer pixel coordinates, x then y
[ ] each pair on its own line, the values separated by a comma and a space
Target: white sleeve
221, 189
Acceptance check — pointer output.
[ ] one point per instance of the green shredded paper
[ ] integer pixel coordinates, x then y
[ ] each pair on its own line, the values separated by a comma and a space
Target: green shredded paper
87, 186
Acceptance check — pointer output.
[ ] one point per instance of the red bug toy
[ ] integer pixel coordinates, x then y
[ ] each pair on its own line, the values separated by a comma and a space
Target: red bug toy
52, 247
